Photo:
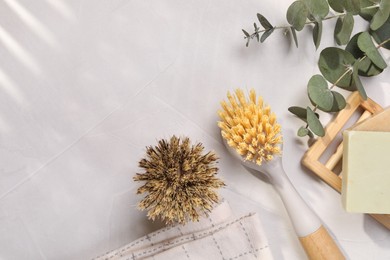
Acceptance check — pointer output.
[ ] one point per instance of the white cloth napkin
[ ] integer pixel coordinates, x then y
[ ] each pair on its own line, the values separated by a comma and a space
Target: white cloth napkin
219, 236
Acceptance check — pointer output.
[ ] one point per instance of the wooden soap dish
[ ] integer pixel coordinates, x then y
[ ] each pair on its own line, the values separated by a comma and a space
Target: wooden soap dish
326, 171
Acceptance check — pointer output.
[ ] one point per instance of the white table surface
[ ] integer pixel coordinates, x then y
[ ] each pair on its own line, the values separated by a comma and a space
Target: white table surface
86, 85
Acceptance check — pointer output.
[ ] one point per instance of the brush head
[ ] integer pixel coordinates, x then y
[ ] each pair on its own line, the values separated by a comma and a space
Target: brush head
250, 127
180, 181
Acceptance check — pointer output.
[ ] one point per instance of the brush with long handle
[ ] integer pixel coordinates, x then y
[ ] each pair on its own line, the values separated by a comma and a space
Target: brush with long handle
252, 135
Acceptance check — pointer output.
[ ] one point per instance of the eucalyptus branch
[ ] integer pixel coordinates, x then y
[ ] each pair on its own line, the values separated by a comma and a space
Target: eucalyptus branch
348, 71
257, 32
253, 35
339, 67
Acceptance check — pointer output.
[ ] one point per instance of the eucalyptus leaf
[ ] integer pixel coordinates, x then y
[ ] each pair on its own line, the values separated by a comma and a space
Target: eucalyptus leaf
300, 112
358, 83
353, 48
337, 5
296, 15
339, 102
314, 123
246, 33
257, 32
343, 29
367, 13
352, 6
341, 6
302, 131
317, 8
317, 33
381, 15
313, 18
382, 34
264, 22
333, 63
367, 46
294, 34
319, 93
266, 34
366, 67
310, 134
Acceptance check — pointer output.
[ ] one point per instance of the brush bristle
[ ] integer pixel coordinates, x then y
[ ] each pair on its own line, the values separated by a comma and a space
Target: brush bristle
180, 180
250, 127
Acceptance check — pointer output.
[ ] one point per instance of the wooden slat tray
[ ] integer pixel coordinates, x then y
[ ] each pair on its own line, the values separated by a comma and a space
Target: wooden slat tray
325, 171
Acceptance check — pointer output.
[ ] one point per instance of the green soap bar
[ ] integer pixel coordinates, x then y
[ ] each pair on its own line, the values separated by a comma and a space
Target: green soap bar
366, 172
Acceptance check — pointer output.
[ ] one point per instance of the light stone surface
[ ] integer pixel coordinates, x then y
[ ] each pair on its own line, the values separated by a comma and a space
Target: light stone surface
86, 85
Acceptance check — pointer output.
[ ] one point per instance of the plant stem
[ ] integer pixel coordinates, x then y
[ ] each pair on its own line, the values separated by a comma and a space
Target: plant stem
343, 75
383, 43
332, 16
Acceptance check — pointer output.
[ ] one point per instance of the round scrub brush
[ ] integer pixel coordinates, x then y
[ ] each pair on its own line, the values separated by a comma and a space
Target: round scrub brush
180, 181
252, 135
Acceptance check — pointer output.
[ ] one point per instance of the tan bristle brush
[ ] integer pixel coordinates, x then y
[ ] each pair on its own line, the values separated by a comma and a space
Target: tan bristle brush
252, 135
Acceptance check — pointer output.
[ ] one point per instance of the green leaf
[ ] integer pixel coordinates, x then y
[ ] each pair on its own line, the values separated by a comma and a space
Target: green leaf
300, 112
302, 131
266, 34
367, 46
343, 29
382, 34
246, 33
319, 93
339, 102
337, 5
358, 83
353, 48
256, 32
314, 123
367, 13
294, 34
366, 67
381, 15
333, 63
310, 134
352, 6
318, 8
264, 22
317, 33
296, 15
312, 18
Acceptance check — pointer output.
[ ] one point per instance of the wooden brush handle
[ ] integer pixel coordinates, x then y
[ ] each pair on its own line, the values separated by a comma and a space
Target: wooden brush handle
319, 245
316, 241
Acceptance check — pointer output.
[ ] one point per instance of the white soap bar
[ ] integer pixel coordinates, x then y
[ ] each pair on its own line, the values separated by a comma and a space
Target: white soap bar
366, 172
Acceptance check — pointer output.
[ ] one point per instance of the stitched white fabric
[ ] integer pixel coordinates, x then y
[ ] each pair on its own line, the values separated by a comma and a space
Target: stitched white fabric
219, 236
